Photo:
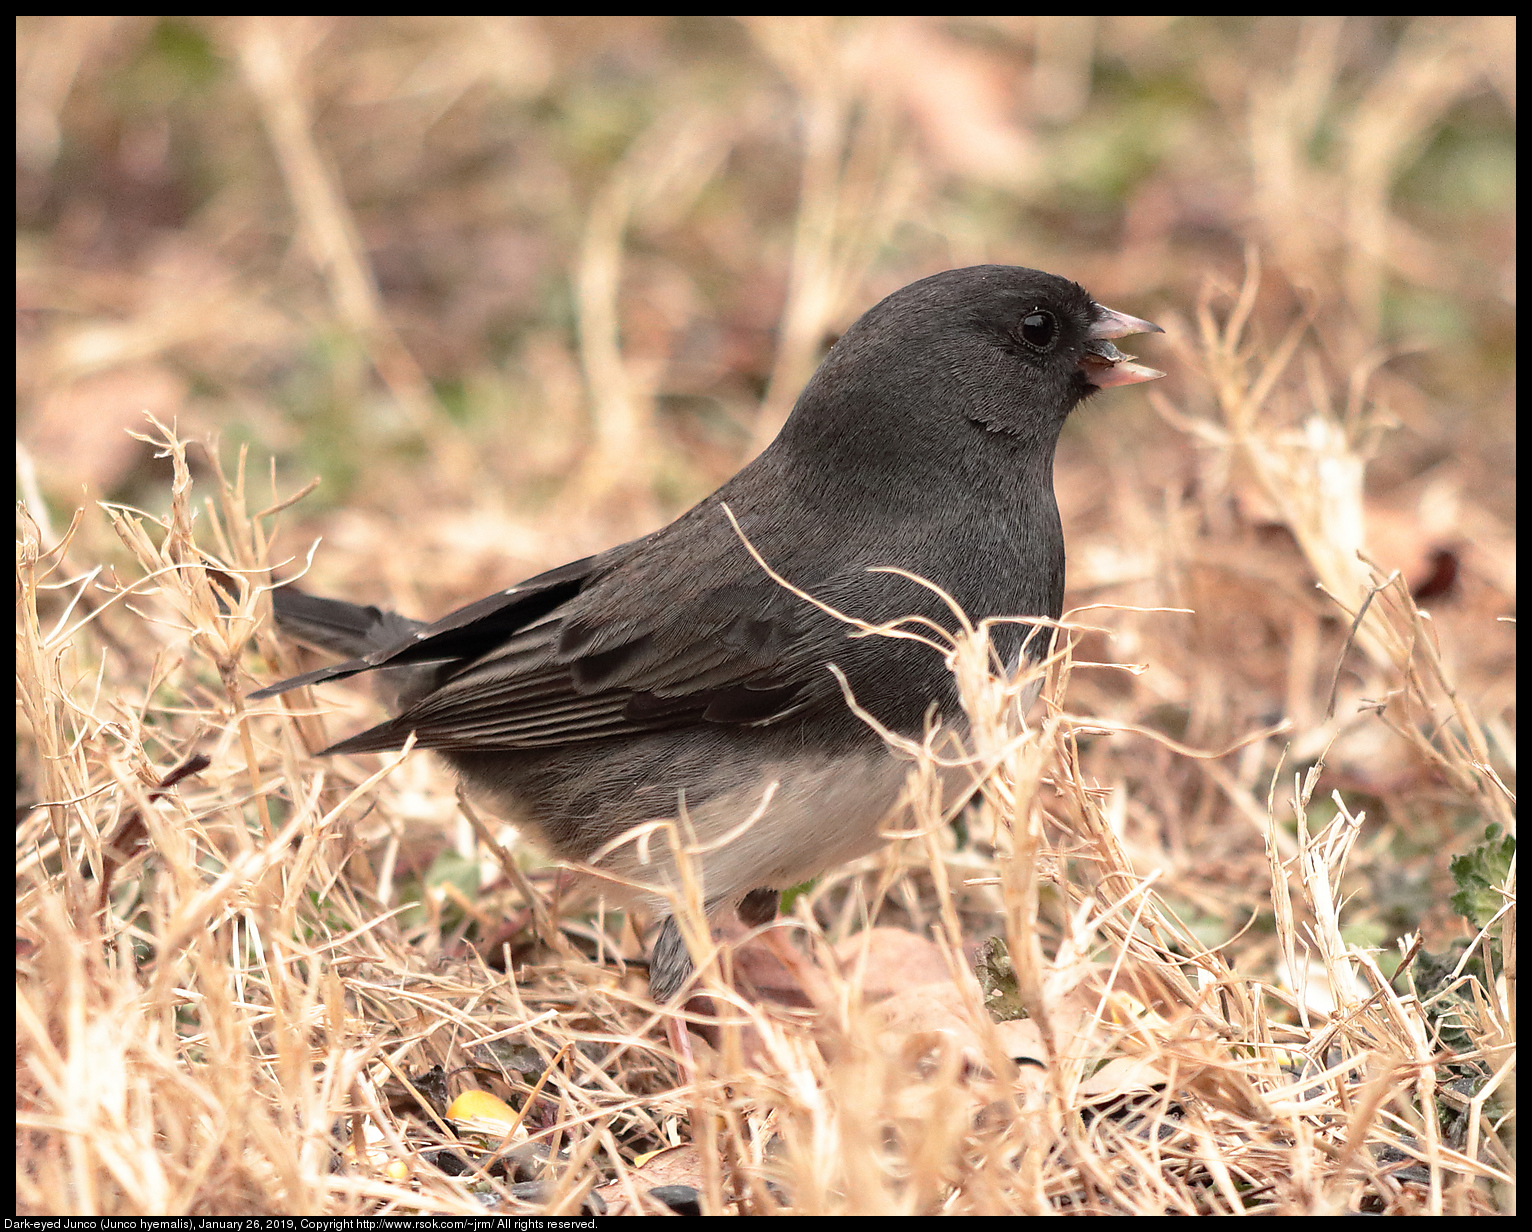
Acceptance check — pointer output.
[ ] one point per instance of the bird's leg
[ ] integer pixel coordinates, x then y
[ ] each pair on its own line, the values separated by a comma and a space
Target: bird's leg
759, 907
680, 1041
670, 967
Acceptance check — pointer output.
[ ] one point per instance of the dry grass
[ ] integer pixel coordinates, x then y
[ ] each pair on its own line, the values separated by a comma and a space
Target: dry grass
1222, 857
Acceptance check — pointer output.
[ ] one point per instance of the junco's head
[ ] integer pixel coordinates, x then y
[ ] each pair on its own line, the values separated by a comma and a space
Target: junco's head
672, 676
1017, 349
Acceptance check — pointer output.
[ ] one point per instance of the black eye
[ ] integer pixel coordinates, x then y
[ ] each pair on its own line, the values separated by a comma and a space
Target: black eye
1038, 330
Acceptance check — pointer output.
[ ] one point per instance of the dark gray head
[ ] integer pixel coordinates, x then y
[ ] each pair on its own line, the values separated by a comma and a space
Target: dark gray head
1011, 348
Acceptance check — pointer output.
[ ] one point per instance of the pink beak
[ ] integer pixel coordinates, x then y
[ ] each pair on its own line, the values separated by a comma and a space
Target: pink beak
1103, 364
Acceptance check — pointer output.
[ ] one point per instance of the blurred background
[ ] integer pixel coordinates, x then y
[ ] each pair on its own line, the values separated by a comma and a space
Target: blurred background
515, 289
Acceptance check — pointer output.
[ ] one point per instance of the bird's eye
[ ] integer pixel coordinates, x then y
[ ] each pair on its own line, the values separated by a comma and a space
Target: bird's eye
1038, 330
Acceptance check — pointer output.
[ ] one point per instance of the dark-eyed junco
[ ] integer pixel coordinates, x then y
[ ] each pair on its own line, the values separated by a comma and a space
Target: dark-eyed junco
673, 676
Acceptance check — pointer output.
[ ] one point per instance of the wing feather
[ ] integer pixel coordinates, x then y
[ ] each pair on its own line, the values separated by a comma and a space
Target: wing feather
617, 654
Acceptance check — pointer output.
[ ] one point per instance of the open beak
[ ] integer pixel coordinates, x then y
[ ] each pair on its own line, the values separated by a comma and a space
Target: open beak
1103, 364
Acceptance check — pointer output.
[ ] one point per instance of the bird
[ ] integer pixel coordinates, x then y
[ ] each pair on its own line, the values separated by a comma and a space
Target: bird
675, 678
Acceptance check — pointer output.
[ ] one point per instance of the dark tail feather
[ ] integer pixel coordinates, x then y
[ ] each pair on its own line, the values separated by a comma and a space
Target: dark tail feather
346, 629
351, 630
